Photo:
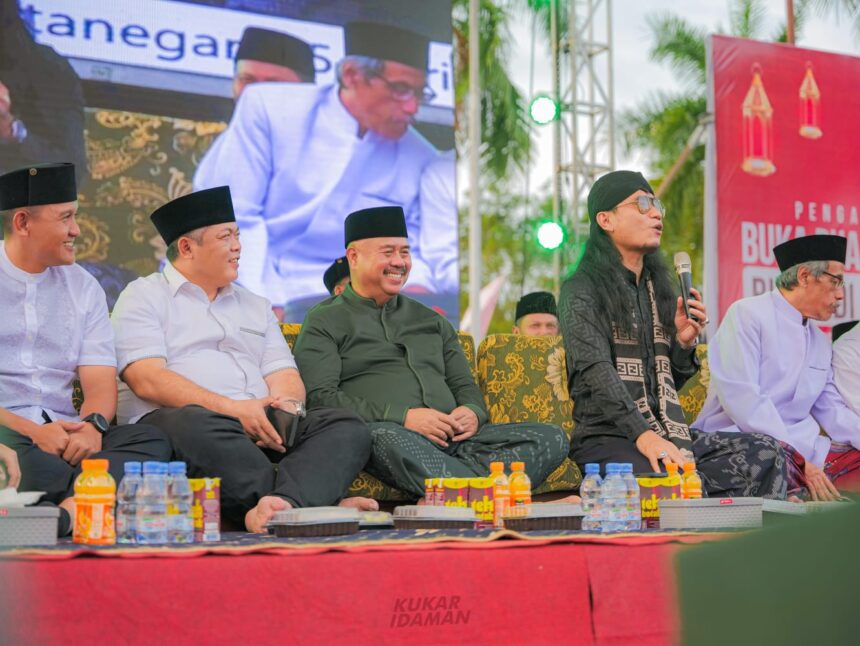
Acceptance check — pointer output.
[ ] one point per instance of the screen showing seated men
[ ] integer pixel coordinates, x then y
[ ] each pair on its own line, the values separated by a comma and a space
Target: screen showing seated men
307, 110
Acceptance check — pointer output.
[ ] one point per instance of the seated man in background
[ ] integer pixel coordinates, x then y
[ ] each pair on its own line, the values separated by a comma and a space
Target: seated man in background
400, 366
536, 315
336, 277
771, 369
205, 361
630, 345
54, 329
846, 363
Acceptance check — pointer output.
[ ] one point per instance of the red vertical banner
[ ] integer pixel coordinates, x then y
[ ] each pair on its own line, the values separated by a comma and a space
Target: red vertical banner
783, 162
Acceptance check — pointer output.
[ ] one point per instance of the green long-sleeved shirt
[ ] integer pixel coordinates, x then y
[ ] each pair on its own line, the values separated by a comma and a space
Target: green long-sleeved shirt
382, 361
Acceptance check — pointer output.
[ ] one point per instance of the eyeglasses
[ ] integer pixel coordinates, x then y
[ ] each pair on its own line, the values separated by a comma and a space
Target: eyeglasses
839, 281
644, 203
403, 91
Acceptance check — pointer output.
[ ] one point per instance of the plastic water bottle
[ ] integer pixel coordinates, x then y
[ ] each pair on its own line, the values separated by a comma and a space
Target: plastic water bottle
152, 504
613, 500
126, 503
180, 525
589, 491
634, 506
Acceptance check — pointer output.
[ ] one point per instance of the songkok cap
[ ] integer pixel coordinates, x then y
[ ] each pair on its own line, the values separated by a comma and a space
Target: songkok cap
375, 222
611, 189
809, 249
192, 211
387, 43
259, 44
536, 303
842, 328
337, 271
37, 185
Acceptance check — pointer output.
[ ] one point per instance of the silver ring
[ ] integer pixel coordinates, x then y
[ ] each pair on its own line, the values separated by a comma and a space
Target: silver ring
707, 320
662, 455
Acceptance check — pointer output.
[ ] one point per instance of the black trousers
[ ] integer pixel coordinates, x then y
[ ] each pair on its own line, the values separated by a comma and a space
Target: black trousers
332, 446
46, 472
731, 464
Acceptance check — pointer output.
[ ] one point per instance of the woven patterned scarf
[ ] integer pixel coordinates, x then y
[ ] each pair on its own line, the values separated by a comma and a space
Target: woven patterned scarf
670, 423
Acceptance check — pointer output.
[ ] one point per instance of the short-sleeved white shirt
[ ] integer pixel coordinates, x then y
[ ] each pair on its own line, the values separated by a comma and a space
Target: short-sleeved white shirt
50, 323
227, 346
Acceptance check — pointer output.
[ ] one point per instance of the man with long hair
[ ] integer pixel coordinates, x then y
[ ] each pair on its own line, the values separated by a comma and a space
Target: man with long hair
630, 344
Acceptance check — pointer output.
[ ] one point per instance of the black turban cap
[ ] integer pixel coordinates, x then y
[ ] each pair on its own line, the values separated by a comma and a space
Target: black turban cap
809, 249
37, 185
375, 222
536, 303
276, 47
387, 43
337, 271
610, 189
193, 211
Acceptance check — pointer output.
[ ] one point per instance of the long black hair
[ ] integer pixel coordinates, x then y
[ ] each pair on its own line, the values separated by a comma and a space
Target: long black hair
601, 266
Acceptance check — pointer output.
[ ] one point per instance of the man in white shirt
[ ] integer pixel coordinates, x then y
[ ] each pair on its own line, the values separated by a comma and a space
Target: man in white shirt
205, 361
54, 329
846, 363
298, 158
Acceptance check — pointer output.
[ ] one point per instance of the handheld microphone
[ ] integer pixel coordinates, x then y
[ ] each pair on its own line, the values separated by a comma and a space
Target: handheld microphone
685, 278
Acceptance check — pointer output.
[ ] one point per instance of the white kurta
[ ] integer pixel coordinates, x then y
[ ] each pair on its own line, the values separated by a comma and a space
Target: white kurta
296, 168
50, 323
438, 239
846, 367
771, 374
228, 346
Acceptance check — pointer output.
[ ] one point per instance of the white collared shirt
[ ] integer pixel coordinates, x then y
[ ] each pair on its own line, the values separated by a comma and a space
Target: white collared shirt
846, 367
227, 346
50, 323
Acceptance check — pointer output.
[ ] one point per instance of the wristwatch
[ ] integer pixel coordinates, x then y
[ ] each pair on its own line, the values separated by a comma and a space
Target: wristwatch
98, 420
301, 411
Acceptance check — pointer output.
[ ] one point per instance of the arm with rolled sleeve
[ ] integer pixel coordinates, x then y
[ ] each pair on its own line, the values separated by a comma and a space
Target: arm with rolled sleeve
278, 366
243, 160
320, 365
458, 376
587, 344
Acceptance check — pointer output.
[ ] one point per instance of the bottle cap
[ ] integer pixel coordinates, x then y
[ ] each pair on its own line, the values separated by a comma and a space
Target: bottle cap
689, 466
497, 466
94, 465
518, 466
132, 467
152, 468
626, 468
592, 467
671, 467
176, 468
613, 467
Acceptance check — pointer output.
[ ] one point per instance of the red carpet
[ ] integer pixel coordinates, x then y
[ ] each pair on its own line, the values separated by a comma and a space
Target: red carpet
591, 590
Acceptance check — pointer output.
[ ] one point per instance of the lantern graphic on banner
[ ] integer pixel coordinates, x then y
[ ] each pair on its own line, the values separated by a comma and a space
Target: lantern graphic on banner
810, 106
757, 129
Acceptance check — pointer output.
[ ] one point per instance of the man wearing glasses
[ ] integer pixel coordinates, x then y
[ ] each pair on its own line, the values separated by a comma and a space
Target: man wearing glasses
771, 370
631, 345
297, 158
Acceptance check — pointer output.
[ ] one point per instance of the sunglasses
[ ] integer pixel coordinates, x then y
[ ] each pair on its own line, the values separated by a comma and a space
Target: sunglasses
644, 204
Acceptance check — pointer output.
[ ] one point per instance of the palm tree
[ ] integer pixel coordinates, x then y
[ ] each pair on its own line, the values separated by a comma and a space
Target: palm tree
839, 8
506, 129
663, 123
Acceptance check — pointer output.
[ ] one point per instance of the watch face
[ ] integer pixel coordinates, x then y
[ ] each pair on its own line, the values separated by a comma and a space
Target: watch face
97, 420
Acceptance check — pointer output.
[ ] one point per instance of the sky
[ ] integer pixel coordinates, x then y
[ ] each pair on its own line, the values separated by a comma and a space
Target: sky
635, 75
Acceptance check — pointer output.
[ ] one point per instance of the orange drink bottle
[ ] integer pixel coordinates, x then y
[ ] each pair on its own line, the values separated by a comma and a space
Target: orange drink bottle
95, 497
691, 483
501, 493
521, 490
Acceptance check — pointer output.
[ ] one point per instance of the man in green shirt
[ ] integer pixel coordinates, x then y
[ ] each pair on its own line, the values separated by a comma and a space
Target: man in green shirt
399, 365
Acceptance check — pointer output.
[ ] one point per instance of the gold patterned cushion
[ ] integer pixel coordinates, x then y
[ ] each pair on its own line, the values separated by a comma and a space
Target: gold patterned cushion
291, 333
524, 379
694, 392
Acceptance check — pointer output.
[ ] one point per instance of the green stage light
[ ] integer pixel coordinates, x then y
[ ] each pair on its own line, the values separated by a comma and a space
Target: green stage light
543, 110
550, 235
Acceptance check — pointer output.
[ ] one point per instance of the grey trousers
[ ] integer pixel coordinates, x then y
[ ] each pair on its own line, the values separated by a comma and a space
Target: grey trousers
404, 459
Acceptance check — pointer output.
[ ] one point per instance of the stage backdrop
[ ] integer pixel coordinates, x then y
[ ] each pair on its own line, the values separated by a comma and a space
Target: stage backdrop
782, 163
137, 91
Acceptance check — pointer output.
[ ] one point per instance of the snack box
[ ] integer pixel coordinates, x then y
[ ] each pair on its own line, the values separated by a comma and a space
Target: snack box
775, 510
427, 517
711, 513
206, 509
315, 521
28, 526
375, 520
551, 516
654, 489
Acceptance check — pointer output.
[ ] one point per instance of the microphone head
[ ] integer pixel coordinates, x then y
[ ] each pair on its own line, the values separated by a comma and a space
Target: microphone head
682, 262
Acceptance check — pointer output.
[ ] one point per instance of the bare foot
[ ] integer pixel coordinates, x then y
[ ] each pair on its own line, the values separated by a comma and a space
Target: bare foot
573, 500
793, 499
421, 501
362, 504
256, 519
69, 505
